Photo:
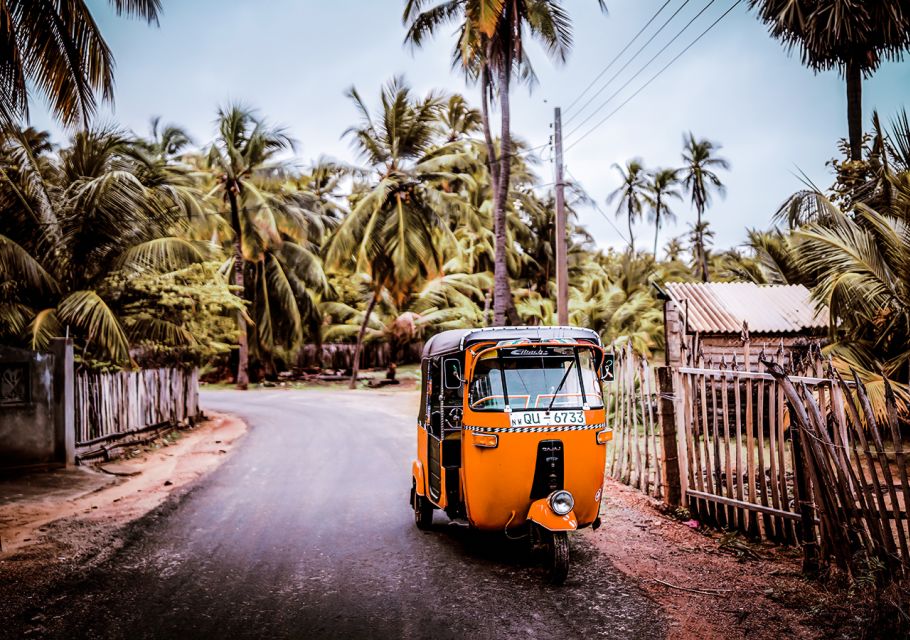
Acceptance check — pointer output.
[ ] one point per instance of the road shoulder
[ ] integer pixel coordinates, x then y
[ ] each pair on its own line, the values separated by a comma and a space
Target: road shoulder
57, 525
710, 585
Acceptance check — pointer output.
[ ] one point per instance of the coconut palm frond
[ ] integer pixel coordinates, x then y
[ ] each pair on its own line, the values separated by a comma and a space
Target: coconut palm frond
163, 254
89, 313
143, 328
17, 264
43, 327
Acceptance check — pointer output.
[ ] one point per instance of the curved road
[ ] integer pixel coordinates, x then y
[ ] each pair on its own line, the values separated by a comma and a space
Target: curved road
305, 532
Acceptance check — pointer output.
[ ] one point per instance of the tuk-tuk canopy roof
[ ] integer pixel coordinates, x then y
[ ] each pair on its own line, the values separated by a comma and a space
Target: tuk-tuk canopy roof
460, 339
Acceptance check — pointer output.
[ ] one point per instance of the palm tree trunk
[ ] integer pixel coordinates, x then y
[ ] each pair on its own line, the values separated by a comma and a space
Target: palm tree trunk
492, 161
700, 247
631, 236
242, 379
656, 225
502, 297
355, 365
854, 76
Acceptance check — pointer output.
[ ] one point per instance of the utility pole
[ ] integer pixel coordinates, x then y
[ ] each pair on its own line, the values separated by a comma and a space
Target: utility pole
562, 269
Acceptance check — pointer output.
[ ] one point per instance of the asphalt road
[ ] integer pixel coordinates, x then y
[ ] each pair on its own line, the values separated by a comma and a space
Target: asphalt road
306, 532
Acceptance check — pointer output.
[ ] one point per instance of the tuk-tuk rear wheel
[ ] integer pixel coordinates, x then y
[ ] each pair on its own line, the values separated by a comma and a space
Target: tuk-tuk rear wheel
558, 548
423, 510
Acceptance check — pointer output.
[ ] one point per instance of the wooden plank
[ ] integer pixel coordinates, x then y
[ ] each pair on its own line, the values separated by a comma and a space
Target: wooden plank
883, 461
894, 427
751, 375
785, 492
732, 518
768, 523
645, 404
773, 429
699, 435
705, 432
751, 496
733, 502
686, 384
743, 515
875, 496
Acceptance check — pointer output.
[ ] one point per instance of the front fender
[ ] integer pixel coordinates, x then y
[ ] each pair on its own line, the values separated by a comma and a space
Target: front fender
541, 513
417, 474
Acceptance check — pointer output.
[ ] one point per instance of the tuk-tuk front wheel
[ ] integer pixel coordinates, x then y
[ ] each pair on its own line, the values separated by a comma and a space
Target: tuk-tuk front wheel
558, 556
423, 510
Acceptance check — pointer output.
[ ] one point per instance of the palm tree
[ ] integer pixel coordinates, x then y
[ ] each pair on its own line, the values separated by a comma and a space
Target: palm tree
397, 223
700, 239
109, 225
58, 49
663, 185
863, 268
245, 145
851, 37
491, 49
700, 180
631, 194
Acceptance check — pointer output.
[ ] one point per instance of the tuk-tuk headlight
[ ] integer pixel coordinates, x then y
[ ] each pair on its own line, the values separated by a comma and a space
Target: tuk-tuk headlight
561, 502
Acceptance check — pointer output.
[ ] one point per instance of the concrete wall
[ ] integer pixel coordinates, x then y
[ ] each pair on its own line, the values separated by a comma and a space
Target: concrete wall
36, 416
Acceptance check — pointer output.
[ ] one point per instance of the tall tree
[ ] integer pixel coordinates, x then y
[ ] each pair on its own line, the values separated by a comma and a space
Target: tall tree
116, 224
630, 194
244, 146
700, 180
663, 186
490, 49
57, 48
396, 222
851, 36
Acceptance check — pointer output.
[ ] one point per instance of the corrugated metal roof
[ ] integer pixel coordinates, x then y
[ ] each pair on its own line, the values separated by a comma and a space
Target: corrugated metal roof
722, 307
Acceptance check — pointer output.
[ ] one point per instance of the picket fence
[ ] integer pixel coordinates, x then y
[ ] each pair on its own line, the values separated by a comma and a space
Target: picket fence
113, 405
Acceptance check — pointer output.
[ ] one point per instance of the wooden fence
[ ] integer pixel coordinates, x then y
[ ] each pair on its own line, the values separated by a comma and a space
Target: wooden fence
112, 405
633, 456
856, 466
736, 451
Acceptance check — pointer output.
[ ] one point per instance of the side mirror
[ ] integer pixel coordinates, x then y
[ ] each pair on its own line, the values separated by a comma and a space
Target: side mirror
606, 367
452, 375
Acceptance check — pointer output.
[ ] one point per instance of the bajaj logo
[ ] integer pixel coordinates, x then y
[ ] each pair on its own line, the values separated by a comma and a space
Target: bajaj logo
530, 352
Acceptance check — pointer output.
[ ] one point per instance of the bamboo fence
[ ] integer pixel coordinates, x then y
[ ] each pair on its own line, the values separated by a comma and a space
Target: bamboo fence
113, 405
857, 468
633, 456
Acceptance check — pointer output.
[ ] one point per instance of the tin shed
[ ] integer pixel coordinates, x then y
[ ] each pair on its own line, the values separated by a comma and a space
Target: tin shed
705, 323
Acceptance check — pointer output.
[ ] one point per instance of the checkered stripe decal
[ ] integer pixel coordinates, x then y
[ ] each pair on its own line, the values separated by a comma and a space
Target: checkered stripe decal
570, 427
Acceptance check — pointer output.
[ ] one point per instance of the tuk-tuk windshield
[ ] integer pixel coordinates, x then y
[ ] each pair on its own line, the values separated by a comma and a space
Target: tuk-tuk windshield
531, 378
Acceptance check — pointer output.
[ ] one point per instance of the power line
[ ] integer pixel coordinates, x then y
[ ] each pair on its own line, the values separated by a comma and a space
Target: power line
628, 62
617, 57
641, 70
599, 210
655, 76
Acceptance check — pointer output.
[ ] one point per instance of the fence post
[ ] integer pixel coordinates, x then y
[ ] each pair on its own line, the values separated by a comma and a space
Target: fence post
64, 396
667, 415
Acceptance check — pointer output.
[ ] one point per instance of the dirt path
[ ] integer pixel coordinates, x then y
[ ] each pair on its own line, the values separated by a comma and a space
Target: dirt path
709, 585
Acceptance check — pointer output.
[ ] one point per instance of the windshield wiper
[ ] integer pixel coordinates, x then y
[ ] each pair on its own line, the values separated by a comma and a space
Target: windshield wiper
561, 382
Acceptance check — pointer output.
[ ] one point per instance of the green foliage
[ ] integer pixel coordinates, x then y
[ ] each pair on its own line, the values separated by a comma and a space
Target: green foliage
183, 316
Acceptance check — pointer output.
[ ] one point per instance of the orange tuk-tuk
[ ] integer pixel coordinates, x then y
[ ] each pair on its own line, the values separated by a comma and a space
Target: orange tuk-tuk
512, 433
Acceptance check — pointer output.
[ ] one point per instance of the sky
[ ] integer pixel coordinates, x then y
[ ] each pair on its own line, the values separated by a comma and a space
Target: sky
293, 60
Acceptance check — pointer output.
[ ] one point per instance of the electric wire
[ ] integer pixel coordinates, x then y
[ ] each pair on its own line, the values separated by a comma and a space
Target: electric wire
654, 77
599, 210
617, 57
643, 68
635, 55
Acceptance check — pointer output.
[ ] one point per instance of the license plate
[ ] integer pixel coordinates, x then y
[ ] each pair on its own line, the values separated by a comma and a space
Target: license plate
544, 419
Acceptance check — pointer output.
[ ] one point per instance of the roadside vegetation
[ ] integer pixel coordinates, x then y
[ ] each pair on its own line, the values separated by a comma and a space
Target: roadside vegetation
152, 248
